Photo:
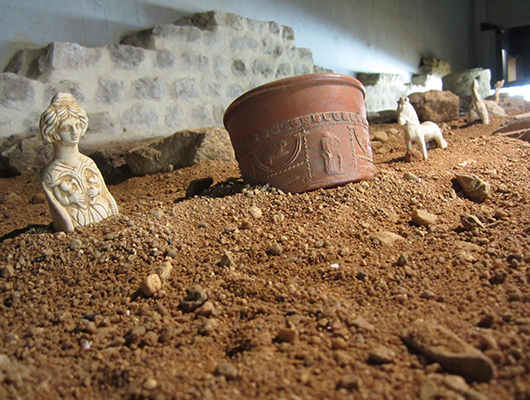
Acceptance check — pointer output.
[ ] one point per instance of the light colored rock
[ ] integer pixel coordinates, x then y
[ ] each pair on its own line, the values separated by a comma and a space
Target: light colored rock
182, 149
151, 284
474, 187
164, 270
228, 370
470, 222
195, 297
287, 335
255, 211
416, 132
460, 82
452, 353
381, 136
387, 238
435, 66
423, 218
435, 105
75, 189
381, 355
494, 109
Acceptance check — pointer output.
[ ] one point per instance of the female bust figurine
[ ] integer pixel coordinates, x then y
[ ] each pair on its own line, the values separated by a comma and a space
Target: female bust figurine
74, 187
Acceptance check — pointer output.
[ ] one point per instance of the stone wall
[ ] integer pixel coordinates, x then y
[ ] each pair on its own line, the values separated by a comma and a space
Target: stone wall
155, 82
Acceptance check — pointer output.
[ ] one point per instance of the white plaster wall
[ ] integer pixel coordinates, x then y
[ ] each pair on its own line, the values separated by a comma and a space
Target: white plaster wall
347, 36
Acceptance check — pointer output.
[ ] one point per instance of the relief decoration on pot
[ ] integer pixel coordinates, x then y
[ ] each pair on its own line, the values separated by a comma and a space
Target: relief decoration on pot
308, 148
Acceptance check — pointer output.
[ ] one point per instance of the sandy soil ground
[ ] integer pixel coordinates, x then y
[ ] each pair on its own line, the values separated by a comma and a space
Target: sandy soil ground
344, 293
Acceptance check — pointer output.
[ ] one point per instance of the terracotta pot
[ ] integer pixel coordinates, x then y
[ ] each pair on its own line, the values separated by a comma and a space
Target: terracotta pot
302, 133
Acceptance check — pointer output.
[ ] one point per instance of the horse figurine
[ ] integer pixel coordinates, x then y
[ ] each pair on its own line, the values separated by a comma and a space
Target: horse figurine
416, 132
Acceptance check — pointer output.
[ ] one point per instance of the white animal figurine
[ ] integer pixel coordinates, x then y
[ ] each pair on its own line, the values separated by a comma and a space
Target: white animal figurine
498, 86
416, 132
477, 108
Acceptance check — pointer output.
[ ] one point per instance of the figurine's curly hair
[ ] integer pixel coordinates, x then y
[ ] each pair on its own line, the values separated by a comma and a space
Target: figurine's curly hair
63, 105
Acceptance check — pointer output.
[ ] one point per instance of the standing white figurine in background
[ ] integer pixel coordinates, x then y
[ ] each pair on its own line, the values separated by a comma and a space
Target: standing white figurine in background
74, 187
477, 108
498, 86
416, 132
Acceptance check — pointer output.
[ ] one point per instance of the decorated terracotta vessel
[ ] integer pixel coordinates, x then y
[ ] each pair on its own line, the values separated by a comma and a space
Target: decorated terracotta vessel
302, 133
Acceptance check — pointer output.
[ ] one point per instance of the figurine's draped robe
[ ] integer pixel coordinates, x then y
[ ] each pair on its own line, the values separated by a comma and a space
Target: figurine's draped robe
77, 195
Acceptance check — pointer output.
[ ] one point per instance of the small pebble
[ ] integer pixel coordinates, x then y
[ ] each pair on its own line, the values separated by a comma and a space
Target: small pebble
288, 335
208, 327
228, 370
410, 177
255, 212
207, 309
423, 218
195, 297
76, 244
276, 249
381, 355
164, 270
227, 259
150, 384
349, 382
151, 284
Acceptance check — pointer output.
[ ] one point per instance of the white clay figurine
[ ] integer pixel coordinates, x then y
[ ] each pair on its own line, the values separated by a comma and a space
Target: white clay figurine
416, 132
74, 187
477, 108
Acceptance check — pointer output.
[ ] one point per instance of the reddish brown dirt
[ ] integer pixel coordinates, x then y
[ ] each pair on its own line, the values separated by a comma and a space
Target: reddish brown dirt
298, 322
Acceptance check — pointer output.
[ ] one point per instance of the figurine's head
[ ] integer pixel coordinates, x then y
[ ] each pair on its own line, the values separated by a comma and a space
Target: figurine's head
64, 120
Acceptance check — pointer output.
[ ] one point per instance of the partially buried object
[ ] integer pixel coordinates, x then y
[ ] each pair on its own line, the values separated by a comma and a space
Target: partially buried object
302, 133
74, 187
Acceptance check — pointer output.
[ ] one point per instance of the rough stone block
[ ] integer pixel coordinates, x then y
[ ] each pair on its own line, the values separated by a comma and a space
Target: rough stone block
24, 156
372, 79
264, 68
196, 61
16, 91
211, 89
200, 115
274, 28
219, 67
165, 59
305, 54
460, 84
212, 19
435, 66
102, 122
272, 47
239, 68
66, 86
173, 118
182, 149
147, 88
214, 39
283, 70
139, 117
301, 69
233, 90
25, 63
257, 26
244, 44
68, 56
186, 89
429, 81
178, 32
110, 91
126, 57
436, 105
287, 33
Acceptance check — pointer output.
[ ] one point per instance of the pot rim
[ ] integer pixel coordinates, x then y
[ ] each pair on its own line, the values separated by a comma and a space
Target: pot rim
293, 81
